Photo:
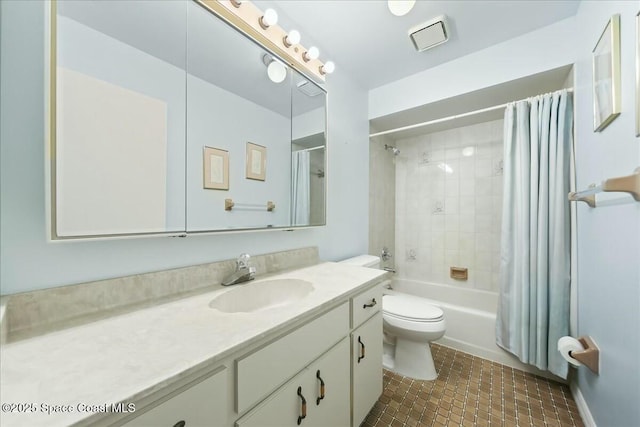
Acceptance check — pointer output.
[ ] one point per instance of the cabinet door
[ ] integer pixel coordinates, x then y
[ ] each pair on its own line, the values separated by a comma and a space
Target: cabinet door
284, 408
366, 367
203, 404
333, 370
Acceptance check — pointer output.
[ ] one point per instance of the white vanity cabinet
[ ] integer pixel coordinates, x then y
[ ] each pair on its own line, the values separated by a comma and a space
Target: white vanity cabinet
327, 372
366, 352
351, 370
201, 404
317, 396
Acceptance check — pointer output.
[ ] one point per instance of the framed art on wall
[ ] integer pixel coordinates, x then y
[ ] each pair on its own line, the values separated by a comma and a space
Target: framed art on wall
638, 74
216, 169
606, 75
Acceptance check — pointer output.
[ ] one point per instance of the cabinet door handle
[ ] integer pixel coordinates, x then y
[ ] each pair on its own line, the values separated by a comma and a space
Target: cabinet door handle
371, 304
181, 423
303, 409
321, 387
361, 350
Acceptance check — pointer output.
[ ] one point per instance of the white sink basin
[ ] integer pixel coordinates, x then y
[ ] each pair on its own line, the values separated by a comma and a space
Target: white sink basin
254, 296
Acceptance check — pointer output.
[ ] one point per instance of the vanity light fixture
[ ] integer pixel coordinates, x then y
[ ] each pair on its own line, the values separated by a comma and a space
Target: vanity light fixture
293, 37
312, 53
328, 68
262, 27
269, 18
400, 7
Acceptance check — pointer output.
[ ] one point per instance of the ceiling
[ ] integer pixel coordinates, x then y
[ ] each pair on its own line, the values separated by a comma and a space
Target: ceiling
365, 40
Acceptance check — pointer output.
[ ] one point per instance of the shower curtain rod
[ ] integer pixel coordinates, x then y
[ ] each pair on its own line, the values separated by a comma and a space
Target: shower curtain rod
446, 119
319, 147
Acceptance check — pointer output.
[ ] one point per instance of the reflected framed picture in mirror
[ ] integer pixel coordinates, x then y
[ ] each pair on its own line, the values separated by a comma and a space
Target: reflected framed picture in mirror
256, 161
606, 76
216, 169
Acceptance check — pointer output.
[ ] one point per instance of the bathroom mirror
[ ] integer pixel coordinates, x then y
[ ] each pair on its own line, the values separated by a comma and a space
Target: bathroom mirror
308, 159
117, 117
165, 119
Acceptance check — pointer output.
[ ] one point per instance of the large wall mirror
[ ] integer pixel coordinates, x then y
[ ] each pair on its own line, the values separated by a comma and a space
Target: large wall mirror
165, 119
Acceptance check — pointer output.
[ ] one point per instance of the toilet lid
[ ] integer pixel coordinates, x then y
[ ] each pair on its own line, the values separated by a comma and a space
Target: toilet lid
411, 307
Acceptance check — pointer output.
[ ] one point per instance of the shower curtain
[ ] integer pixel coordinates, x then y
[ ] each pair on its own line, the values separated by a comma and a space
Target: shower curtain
300, 182
533, 307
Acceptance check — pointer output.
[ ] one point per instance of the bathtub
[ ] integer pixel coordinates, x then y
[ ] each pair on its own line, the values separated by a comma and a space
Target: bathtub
470, 315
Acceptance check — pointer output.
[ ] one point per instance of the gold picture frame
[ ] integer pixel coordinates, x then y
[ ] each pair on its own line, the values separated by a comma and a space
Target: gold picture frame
638, 74
606, 75
256, 161
216, 168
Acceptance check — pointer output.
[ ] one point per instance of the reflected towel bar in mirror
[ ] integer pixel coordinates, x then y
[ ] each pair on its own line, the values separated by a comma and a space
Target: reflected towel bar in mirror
229, 205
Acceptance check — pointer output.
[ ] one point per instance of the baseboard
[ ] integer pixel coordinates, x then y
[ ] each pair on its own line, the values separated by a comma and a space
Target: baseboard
583, 409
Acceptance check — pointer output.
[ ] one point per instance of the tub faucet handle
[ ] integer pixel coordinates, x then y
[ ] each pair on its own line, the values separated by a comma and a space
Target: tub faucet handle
385, 255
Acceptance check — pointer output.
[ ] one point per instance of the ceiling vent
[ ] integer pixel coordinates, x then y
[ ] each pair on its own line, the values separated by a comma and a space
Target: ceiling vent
430, 34
308, 88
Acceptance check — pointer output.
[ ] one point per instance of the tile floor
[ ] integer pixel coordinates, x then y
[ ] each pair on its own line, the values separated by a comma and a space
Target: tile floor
471, 391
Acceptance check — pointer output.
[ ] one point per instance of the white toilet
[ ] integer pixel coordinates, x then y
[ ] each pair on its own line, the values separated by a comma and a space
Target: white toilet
410, 324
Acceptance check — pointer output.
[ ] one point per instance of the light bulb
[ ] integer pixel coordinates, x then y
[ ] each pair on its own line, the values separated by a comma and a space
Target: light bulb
236, 3
292, 38
269, 18
400, 7
328, 68
276, 71
312, 53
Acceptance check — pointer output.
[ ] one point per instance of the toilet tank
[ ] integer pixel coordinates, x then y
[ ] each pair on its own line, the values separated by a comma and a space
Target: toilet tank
370, 261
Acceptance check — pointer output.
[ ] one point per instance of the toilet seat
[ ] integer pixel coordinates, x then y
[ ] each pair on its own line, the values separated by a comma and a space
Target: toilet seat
411, 308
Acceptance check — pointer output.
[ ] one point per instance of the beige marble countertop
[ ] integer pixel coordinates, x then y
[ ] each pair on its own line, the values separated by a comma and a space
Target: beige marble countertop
127, 357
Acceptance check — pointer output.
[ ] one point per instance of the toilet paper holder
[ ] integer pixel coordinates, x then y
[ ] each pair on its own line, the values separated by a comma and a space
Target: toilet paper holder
590, 356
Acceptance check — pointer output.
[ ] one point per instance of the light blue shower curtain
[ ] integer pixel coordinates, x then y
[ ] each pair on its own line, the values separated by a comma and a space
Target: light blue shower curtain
300, 188
533, 307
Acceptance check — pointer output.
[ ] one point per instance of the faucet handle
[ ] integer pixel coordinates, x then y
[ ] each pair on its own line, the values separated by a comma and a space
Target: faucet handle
243, 261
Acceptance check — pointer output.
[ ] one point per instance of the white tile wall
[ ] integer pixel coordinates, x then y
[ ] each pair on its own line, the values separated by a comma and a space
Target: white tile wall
448, 205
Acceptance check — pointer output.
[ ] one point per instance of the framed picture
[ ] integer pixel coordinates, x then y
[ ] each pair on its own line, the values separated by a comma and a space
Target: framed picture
638, 75
256, 161
606, 75
216, 169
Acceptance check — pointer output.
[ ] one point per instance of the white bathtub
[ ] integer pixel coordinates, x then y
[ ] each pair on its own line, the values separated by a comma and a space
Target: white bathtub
470, 316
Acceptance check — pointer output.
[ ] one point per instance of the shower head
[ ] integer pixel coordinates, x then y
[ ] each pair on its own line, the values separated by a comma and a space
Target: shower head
394, 150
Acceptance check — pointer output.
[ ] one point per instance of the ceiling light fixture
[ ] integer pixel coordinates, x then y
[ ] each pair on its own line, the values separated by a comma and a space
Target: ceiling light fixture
400, 7
328, 68
293, 37
269, 18
312, 53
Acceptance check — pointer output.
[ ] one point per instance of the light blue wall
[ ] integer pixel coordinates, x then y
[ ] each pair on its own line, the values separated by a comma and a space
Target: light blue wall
608, 237
29, 261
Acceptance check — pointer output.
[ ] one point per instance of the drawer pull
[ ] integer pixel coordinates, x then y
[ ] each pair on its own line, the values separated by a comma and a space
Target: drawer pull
373, 302
321, 387
304, 406
361, 350
180, 423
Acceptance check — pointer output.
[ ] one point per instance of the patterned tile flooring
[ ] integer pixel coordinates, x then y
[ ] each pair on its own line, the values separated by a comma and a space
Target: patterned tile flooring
471, 391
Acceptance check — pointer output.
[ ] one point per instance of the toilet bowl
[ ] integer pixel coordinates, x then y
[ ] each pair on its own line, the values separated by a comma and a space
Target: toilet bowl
410, 323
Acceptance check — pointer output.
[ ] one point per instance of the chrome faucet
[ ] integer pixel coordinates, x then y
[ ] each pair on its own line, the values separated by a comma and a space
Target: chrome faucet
244, 271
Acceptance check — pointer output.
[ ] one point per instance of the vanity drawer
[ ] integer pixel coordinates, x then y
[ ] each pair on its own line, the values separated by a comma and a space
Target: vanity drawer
366, 304
201, 404
261, 372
